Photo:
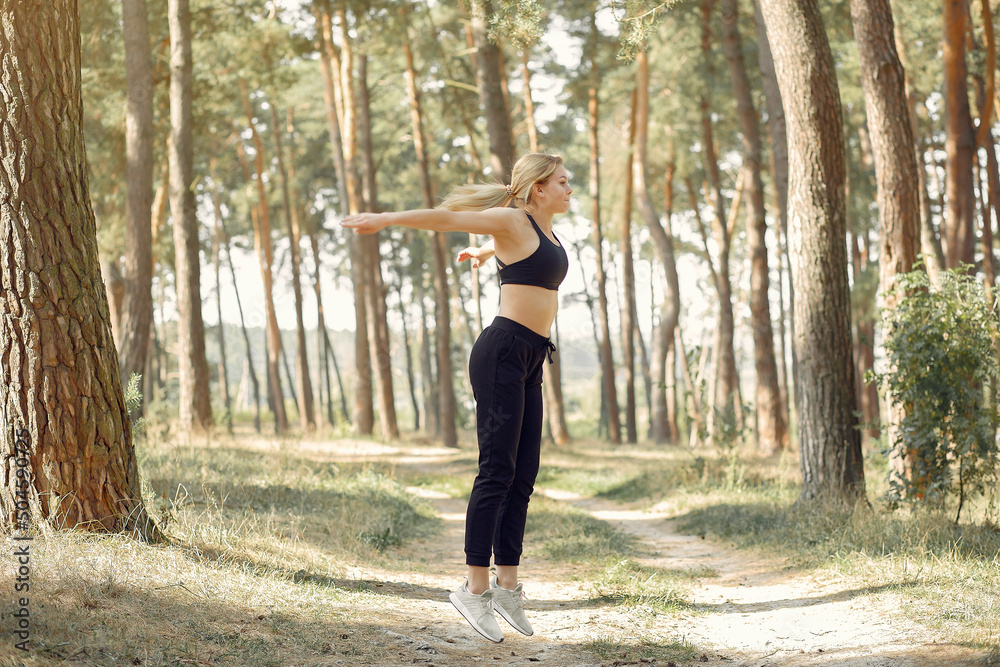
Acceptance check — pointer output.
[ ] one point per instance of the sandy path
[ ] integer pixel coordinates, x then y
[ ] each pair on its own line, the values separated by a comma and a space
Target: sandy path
756, 614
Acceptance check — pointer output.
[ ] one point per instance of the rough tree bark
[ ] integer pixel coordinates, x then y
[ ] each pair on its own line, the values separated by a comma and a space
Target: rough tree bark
829, 441
67, 453
897, 181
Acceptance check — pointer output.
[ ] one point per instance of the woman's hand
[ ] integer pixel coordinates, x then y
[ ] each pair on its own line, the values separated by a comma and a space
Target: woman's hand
479, 256
365, 223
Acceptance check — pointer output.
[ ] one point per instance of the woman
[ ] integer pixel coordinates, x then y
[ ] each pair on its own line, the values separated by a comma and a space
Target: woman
505, 366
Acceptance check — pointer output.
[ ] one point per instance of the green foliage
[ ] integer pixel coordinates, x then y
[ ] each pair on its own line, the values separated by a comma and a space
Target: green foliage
133, 402
942, 364
517, 21
638, 21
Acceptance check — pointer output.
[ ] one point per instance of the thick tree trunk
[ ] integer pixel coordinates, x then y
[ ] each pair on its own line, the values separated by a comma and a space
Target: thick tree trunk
772, 430
960, 199
67, 450
608, 390
137, 306
194, 400
829, 441
898, 184
663, 238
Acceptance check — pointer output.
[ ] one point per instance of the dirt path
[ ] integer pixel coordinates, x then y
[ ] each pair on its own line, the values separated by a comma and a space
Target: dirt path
755, 614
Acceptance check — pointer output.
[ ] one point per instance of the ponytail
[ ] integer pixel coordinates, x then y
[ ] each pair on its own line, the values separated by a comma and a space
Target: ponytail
476, 197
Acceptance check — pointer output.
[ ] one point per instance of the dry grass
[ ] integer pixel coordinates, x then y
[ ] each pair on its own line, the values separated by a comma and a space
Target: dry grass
265, 542
257, 570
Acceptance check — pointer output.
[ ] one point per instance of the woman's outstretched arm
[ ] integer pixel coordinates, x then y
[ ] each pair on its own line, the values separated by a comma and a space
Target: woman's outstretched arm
479, 256
490, 222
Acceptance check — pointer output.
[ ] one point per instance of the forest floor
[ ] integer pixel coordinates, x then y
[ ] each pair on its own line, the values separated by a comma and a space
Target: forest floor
741, 609
273, 559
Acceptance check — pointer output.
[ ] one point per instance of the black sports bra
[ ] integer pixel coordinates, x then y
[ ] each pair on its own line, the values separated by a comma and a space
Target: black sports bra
546, 267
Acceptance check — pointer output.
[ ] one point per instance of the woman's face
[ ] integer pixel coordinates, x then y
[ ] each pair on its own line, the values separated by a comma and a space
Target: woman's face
554, 193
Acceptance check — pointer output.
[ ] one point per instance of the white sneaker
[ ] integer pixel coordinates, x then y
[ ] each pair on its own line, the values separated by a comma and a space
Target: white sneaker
510, 605
478, 611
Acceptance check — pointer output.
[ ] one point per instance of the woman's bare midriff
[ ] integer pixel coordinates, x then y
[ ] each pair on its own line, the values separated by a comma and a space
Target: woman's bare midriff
534, 307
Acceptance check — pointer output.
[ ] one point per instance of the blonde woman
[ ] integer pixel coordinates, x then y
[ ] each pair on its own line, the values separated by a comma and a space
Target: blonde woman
505, 367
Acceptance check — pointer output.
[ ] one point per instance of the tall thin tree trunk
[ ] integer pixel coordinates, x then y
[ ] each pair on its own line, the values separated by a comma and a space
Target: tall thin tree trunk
662, 430
726, 386
243, 327
221, 334
329, 64
137, 304
378, 323
779, 167
410, 381
432, 412
194, 400
628, 309
265, 256
364, 409
446, 391
959, 229
608, 389
772, 430
307, 417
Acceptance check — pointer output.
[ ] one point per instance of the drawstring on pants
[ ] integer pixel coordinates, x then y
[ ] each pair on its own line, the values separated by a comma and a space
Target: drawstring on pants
549, 349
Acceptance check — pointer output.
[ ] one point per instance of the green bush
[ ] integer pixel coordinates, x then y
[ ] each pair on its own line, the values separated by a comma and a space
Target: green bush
942, 373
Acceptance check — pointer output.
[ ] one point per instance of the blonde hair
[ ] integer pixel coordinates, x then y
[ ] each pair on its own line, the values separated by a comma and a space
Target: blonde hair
532, 168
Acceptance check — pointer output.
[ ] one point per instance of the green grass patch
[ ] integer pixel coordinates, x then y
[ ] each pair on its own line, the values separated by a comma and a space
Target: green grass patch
563, 533
636, 647
630, 584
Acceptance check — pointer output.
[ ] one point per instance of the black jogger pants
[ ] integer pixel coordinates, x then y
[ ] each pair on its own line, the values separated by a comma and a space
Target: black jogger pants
505, 368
